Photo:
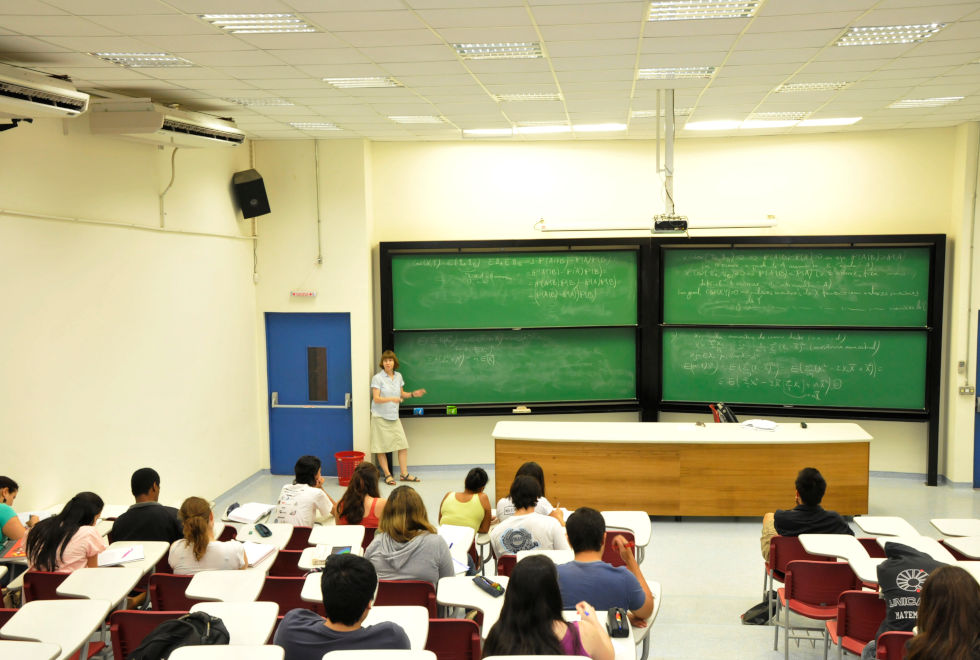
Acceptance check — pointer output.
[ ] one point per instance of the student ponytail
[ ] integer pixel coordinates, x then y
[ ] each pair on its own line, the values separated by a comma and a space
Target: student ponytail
47, 540
195, 514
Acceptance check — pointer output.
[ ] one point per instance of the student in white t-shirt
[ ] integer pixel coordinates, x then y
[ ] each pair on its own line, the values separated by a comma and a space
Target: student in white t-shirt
526, 529
198, 551
300, 501
505, 507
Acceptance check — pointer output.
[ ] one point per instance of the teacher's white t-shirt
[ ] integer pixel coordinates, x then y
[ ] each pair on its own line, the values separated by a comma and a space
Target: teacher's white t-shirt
387, 388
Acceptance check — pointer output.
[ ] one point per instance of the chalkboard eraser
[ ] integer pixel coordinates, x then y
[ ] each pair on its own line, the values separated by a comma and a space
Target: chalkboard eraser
520, 410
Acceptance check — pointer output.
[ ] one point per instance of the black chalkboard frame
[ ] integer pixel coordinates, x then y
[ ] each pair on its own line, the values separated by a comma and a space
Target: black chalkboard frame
936, 245
647, 333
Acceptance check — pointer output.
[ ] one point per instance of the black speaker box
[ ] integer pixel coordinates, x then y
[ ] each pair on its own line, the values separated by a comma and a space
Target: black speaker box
250, 193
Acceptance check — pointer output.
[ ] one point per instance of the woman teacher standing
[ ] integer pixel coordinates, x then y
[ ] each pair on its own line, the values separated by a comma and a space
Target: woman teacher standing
387, 434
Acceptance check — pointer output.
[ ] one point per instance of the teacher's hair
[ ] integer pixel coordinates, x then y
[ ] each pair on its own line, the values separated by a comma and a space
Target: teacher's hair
949, 617
404, 516
532, 603
532, 469
47, 539
385, 356
363, 482
195, 514
305, 470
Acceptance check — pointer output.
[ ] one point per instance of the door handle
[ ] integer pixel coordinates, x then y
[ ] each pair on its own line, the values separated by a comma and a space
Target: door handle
276, 404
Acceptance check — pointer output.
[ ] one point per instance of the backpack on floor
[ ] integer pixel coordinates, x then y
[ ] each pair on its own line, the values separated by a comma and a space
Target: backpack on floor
758, 615
194, 629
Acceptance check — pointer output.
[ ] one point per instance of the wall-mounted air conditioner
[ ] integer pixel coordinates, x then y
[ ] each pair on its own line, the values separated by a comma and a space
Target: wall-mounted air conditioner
144, 120
26, 95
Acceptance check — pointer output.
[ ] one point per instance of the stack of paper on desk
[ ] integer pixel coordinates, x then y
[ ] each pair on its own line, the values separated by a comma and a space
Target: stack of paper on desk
116, 556
256, 552
250, 513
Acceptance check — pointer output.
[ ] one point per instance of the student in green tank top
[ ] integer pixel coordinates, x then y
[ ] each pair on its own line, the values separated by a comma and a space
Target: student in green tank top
471, 508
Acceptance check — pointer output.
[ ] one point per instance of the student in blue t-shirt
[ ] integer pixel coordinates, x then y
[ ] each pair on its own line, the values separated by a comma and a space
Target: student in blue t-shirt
603, 585
10, 526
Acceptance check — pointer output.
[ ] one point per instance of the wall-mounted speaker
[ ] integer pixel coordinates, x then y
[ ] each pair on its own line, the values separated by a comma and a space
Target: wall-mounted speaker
250, 193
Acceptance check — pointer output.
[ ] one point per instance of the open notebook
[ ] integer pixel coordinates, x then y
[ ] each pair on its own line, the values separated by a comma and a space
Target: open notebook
116, 556
249, 513
256, 552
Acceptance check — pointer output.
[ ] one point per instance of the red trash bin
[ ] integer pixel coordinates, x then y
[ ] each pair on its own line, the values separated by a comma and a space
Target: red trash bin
346, 462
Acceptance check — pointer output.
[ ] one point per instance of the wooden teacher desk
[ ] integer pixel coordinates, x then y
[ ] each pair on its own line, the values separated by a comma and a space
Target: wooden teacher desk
669, 469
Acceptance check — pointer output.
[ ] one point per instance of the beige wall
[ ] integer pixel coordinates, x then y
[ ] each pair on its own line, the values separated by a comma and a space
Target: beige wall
122, 347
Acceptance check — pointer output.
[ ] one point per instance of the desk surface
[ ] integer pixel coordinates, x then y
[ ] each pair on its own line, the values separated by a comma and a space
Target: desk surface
281, 533
333, 535
968, 545
929, 546
842, 546
885, 526
153, 551
460, 591
29, 650
67, 623
414, 620
229, 586
957, 526
228, 653
665, 432
247, 623
112, 584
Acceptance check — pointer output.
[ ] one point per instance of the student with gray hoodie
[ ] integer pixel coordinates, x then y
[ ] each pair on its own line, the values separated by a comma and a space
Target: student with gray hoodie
407, 546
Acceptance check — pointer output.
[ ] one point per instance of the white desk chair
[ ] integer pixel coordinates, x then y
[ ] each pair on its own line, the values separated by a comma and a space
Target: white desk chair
637, 522
957, 526
557, 556
3, 570
307, 560
103, 527
459, 539
229, 653
971, 567
885, 526
29, 650
113, 511
483, 550
232, 586
67, 623
112, 584
337, 535
281, 533
382, 655
930, 546
968, 545
460, 591
311, 592
842, 546
642, 635
249, 624
414, 620
623, 647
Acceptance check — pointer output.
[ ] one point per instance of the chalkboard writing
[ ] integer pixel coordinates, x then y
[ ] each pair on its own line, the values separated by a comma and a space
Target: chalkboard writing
856, 368
514, 290
504, 366
873, 286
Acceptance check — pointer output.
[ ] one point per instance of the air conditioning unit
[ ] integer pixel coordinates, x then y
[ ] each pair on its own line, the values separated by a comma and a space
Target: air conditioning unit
26, 95
141, 119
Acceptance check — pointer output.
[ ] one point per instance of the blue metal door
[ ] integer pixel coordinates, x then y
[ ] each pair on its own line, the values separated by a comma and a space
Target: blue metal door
309, 367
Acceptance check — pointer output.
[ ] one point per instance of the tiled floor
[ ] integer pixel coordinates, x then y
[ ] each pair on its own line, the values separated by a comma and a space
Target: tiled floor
710, 569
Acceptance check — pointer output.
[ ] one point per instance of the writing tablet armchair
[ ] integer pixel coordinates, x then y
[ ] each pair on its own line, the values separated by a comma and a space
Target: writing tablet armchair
812, 590
859, 614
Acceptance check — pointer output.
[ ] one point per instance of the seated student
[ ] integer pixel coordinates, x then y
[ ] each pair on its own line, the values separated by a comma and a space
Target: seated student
300, 500
900, 580
348, 584
471, 508
361, 503
147, 520
589, 577
527, 529
949, 617
531, 621
808, 517
198, 551
11, 528
69, 540
505, 506
406, 546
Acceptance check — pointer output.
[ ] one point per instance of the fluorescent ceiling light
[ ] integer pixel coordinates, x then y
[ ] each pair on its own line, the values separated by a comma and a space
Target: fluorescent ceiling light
889, 34
530, 96
363, 82
681, 10
778, 116
714, 125
488, 132
769, 123
598, 128
811, 87
935, 102
416, 119
258, 23
542, 129
830, 121
257, 101
517, 50
676, 72
314, 126
144, 60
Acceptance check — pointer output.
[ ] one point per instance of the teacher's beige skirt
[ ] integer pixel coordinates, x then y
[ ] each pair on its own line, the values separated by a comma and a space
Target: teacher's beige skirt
387, 435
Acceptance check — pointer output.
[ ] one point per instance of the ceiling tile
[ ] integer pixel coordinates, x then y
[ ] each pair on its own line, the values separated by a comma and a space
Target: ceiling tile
629, 30
178, 45
19, 44
684, 44
935, 13
311, 40
166, 25
359, 21
320, 56
468, 17
593, 12
593, 48
369, 38
404, 54
793, 39
488, 34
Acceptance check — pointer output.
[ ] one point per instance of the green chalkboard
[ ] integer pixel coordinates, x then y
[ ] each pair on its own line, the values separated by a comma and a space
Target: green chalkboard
505, 366
864, 286
853, 368
513, 290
